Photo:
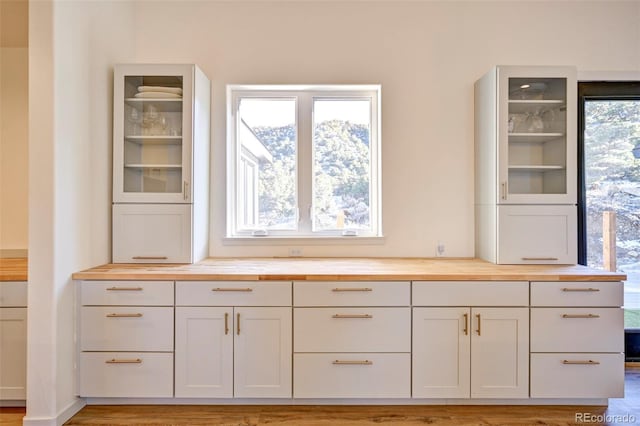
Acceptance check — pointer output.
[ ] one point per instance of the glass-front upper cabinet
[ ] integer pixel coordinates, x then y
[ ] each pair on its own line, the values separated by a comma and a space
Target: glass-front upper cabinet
153, 110
536, 135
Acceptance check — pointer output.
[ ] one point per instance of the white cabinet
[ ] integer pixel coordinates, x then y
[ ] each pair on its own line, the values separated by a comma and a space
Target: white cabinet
233, 351
13, 341
352, 340
526, 156
477, 352
126, 339
160, 163
577, 340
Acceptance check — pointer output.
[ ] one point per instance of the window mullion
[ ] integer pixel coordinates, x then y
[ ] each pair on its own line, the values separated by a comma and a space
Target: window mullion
305, 162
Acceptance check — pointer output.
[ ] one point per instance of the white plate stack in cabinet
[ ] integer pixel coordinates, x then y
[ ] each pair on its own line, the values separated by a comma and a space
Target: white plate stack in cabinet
526, 165
161, 133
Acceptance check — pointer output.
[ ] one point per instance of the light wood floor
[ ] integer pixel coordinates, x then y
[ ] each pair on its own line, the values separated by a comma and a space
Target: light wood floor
349, 415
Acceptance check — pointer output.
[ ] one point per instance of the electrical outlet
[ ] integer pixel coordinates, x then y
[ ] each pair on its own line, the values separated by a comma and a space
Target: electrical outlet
440, 249
295, 252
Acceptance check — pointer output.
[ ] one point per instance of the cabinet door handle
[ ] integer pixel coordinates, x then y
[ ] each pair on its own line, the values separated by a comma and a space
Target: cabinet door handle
478, 330
226, 323
580, 316
352, 289
352, 316
149, 257
362, 362
238, 321
466, 324
231, 289
124, 289
138, 315
123, 361
580, 289
586, 362
185, 187
540, 258
504, 190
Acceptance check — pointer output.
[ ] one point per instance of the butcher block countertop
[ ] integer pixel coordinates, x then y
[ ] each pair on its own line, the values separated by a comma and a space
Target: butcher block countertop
13, 269
346, 269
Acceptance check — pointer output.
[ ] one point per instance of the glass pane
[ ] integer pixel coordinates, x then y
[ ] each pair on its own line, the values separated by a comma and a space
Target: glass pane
612, 180
341, 164
537, 136
152, 134
267, 139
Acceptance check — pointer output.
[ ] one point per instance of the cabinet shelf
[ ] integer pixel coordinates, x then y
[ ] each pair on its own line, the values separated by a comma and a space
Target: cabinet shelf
534, 137
535, 168
517, 106
155, 140
154, 166
165, 104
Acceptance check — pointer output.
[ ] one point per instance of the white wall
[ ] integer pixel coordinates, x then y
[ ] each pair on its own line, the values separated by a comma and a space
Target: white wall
13, 148
426, 55
73, 46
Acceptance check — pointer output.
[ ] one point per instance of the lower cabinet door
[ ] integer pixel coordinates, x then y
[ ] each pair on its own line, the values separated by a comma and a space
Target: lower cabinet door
126, 375
352, 375
152, 233
262, 352
441, 351
13, 353
583, 375
499, 352
204, 352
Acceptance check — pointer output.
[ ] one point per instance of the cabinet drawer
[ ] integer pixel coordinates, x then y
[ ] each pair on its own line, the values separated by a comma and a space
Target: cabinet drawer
577, 330
352, 375
352, 329
127, 293
537, 234
126, 329
577, 293
585, 375
233, 293
13, 294
152, 233
351, 293
126, 375
470, 293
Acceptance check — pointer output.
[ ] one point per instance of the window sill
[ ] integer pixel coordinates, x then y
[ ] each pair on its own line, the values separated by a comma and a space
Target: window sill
283, 241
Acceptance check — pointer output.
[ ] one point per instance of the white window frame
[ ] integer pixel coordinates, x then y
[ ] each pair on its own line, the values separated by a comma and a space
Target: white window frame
304, 95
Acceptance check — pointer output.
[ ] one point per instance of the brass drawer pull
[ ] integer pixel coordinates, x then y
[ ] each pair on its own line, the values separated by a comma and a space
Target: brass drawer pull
352, 316
363, 362
580, 316
587, 362
150, 257
478, 330
123, 361
124, 289
466, 324
238, 325
580, 289
124, 315
337, 289
226, 323
540, 258
231, 289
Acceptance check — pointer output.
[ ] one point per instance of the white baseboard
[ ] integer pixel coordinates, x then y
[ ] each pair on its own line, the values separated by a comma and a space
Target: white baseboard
62, 416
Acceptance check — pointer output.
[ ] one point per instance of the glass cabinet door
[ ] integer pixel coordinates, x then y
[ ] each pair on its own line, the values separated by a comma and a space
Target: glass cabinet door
538, 138
152, 133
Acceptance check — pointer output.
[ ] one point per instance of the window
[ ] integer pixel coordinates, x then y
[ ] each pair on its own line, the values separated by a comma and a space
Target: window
303, 161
